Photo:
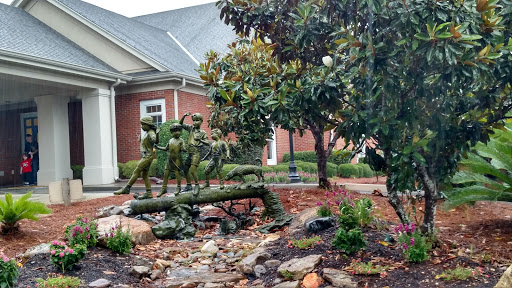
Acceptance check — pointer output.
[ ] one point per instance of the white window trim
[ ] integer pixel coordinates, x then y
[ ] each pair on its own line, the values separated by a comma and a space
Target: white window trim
153, 102
273, 147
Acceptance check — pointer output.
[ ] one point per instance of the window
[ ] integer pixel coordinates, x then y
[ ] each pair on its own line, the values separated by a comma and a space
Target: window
155, 109
271, 149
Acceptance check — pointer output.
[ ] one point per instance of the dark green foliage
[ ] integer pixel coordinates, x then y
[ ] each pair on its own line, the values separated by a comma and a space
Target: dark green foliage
9, 271
366, 171
245, 154
83, 232
332, 169
348, 171
226, 168
12, 211
486, 174
283, 167
77, 171
347, 218
66, 257
267, 169
349, 241
126, 169
120, 239
310, 156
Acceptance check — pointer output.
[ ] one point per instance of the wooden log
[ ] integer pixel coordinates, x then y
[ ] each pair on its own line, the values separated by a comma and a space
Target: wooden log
271, 200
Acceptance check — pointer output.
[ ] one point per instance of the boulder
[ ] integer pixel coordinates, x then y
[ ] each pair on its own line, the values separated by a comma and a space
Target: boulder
141, 231
202, 277
339, 278
300, 219
312, 280
155, 274
259, 270
210, 248
140, 271
100, 283
506, 279
272, 263
32, 251
299, 267
247, 264
317, 225
161, 264
288, 284
269, 240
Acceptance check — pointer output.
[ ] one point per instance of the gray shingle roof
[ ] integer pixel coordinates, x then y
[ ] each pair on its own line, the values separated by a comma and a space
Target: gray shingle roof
150, 41
198, 28
21, 33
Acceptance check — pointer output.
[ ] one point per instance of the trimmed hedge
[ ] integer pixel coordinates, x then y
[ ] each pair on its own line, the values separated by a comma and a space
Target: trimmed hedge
348, 171
77, 171
126, 169
310, 156
367, 170
332, 169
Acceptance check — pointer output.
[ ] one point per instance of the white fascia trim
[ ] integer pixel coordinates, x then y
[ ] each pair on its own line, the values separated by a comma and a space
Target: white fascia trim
165, 77
183, 48
61, 67
106, 34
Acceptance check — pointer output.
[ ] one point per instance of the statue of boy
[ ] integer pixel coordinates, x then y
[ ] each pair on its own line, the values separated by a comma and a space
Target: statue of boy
147, 143
220, 152
196, 138
175, 146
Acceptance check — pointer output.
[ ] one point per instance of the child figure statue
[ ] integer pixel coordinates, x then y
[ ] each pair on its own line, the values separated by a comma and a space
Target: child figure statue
147, 143
220, 152
196, 138
175, 146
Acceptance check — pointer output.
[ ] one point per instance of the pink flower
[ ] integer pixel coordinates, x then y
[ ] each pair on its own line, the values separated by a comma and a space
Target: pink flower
52, 252
70, 251
405, 246
328, 202
55, 242
62, 243
111, 234
412, 227
87, 228
5, 258
61, 254
400, 227
88, 236
319, 203
396, 229
412, 241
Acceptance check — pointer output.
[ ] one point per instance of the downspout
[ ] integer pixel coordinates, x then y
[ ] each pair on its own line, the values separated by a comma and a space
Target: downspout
113, 128
183, 84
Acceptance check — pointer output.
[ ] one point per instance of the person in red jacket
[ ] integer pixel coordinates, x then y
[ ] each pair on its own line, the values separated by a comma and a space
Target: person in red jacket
26, 169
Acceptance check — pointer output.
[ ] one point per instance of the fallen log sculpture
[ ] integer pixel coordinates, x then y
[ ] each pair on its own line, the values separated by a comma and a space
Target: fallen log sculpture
273, 206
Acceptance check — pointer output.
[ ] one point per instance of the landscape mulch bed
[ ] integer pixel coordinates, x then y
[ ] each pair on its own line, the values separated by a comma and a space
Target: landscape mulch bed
470, 236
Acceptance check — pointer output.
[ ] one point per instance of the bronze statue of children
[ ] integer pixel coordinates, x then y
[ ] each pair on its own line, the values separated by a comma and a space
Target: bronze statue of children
220, 151
196, 138
147, 143
175, 146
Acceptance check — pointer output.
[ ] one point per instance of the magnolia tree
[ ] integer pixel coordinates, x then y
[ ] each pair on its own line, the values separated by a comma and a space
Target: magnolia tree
279, 74
428, 79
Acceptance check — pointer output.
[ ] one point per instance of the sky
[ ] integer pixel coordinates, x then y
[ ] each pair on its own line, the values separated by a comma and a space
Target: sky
131, 8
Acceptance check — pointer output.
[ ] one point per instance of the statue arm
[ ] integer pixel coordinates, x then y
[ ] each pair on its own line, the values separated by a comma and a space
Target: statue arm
183, 117
207, 154
226, 147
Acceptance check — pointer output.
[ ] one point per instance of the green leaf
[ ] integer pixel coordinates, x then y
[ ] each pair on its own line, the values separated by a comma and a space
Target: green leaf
422, 36
470, 37
444, 35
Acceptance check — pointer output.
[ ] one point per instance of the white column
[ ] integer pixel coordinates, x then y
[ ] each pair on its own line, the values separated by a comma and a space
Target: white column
97, 138
54, 160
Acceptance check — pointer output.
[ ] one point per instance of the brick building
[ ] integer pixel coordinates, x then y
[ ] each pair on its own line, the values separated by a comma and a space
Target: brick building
79, 77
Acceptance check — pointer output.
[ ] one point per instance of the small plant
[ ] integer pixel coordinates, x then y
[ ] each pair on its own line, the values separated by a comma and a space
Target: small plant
287, 274
9, 271
64, 257
363, 211
58, 281
349, 241
82, 231
414, 245
324, 209
304, 243
12, 211
119, 240
361, 268
461, 273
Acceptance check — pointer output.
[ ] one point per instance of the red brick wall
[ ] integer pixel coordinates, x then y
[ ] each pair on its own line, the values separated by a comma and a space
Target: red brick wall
10, 146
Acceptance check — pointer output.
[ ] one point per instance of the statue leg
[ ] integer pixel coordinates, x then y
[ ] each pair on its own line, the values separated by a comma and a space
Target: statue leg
178, 181
164, 184
188, 177
207, 170
193, 172
147, 195
126, 188
219, 174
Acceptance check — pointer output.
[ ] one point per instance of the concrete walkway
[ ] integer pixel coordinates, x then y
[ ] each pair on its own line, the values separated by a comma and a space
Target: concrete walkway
40, 193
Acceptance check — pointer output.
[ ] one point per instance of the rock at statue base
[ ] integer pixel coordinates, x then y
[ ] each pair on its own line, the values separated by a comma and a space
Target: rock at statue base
141, 231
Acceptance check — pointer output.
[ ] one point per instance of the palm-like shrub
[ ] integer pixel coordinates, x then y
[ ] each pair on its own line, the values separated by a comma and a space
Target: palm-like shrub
12, 211
486, 175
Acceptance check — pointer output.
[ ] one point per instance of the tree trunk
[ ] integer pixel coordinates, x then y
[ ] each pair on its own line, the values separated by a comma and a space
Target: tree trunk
430, 188
271, 201
318, 135
393, 198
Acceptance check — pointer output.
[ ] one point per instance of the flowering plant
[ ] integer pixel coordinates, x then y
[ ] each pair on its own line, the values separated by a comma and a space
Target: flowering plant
9, 271
361, 268
82, 231
64, 257
414, 245
58, 281
119, 240
461, 273
304, 243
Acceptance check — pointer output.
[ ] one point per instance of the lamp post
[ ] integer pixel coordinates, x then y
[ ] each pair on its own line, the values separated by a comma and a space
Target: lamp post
293, 176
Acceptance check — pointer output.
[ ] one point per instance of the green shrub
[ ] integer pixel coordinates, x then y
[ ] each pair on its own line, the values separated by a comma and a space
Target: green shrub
332, 170
228, 167
348, 219
164, 136
359, 170
363, 211
200, 170
283, 167
413, 243
12, 211
77, 171
248, 154
126, 169
366, 169
460, 273
349, 241
9, 271
310, 156
58, 281
120, 240
306, 166
267, 169
348, 171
